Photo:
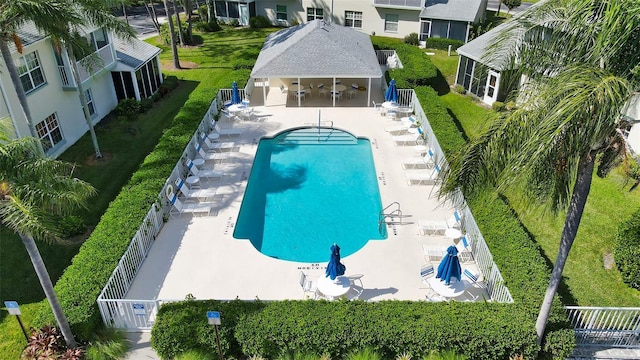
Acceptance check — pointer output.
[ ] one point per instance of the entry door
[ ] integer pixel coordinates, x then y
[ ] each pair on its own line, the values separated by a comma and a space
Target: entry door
244, 15
493, 83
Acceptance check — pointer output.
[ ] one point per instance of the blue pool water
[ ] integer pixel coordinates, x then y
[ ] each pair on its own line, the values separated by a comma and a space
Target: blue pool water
306, 192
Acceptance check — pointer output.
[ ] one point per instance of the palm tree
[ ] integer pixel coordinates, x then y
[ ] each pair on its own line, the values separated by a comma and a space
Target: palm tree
577, 57
172, 34
51, 17
34, 192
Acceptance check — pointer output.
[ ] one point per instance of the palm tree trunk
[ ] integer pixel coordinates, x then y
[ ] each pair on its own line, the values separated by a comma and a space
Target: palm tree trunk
83, 101
17, 84
47, 286
569, 231
499, 6
174, 48
178, 22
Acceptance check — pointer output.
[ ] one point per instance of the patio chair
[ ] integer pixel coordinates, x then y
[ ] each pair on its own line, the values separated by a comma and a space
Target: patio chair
246, 114
226, 114
284, 90
310, 93
392, 114
216, 156
356, 280
308, 286
464, 249
216, 146
354, 293
205, 173
337, 95
438, 227
473, 277
426, 271
228, 131
322, 90
204, 194
409, 139
353, 91
300, 95
424, 161
423, 177
178, 208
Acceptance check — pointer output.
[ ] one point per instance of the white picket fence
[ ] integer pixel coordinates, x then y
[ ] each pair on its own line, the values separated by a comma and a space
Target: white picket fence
605, 326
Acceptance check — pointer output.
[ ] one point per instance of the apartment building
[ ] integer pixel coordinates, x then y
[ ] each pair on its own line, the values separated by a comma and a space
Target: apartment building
129, 69
451, 19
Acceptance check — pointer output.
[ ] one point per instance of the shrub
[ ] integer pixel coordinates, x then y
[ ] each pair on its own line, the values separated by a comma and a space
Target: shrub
626, 251
412, 39
460, 89
417, 68
511, 105
258, 22
204, 26
146, 104
71, 225
203, 13
443, 43
498, 106
48, 343
128, 107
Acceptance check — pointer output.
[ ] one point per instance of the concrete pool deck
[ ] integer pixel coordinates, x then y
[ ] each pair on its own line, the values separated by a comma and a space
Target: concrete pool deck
199, 256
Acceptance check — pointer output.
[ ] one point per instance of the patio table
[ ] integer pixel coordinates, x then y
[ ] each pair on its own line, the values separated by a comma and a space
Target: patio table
339, 87
389, 105
454, 289
333, 288
296, 88
236, 108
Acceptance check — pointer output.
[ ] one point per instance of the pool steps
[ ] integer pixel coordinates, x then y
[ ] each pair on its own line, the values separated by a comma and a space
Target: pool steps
315, 135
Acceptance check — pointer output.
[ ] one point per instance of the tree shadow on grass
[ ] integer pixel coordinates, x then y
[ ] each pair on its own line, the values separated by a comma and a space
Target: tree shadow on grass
564, 292
440, 84
458, 125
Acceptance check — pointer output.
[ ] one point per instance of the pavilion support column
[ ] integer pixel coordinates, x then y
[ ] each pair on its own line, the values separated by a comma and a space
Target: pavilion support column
333, 97
298, 91
369, 93
264, 90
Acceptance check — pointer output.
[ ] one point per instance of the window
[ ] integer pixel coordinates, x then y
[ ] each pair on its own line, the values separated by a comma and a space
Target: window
221, 9
49, 131
30, 72
99, 39
314, 14
353, 19
391, 23
90, 105
281, 12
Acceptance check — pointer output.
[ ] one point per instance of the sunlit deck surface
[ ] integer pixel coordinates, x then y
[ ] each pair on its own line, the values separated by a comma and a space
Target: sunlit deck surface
199, 256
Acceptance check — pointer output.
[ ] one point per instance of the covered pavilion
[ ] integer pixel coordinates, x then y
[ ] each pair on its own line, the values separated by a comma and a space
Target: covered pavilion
315, 51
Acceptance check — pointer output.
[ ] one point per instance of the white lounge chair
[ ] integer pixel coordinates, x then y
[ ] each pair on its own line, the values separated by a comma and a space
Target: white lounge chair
178, 208
227, 131
423, 177
215, 156
424, 161
204, 173
409, 139
205, 194
308, 286
432, 253
438, 227
216, 146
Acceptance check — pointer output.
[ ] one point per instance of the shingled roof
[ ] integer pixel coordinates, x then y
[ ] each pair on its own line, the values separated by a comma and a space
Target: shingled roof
133, 52
455, 10
317, 49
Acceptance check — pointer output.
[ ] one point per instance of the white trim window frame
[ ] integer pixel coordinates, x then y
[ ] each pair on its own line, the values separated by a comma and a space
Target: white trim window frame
49, 132
315, 13
30, 71
353, 19
391, 23
90, 104
281, 13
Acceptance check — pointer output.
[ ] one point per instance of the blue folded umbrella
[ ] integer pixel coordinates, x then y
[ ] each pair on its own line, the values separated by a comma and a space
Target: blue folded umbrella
235, 94
449, 266
392, 92
334, 267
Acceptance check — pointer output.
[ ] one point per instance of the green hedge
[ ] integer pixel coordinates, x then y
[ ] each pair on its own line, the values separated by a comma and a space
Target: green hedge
443, 43
337, 328
627, 250
417, 69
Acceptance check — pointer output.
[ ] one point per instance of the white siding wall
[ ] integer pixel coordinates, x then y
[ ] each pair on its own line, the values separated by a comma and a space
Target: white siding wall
51, 98
373, 18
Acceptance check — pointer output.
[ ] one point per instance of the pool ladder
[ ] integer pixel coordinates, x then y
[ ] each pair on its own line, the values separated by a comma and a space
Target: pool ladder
385, 213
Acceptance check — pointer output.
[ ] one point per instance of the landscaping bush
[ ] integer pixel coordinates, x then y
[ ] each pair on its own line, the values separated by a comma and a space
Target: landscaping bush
71, 225
412, 39
417, 68
498, 106
460, 89
203, 13
207, 26
443, 43
626, 251
258, 22
128, 107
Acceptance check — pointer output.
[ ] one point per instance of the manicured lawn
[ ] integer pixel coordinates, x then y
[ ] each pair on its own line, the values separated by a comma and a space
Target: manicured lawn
588, 282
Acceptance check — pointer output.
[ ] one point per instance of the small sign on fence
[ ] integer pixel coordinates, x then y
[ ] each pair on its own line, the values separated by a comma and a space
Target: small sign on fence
213, 317
138, 309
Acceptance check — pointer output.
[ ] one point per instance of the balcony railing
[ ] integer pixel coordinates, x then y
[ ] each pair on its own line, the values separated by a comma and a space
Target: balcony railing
403, 4
107, 54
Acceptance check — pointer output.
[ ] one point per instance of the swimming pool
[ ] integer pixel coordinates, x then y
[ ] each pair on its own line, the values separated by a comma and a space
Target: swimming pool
308, 189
